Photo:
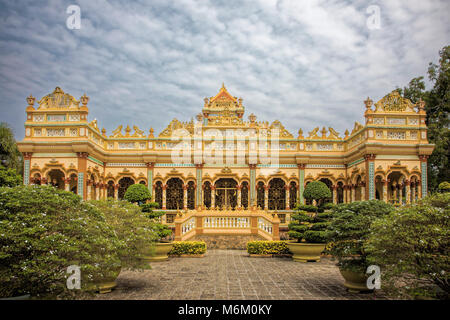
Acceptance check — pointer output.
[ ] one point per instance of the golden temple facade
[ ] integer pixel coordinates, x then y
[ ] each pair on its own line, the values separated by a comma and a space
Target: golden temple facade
220, 160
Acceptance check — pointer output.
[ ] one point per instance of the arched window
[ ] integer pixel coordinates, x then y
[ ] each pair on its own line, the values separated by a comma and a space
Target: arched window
207, 194
244, 195
277, 194
329, 185
260, 195
159, 193
226, 193
191, 195
56, 178
124, 183
174, 197
292, 195
73, 184
340, 192
110, 189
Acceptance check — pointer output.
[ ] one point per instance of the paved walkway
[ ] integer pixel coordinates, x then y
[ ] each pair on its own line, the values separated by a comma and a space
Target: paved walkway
232, 274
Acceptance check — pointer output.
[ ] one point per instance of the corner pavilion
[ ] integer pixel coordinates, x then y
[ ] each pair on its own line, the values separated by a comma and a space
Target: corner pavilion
386, 159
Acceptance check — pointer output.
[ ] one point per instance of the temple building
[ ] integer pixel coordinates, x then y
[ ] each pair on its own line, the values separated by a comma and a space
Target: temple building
223, 162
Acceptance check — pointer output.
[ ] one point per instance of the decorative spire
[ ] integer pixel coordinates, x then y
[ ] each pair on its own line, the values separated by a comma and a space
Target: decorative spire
368, 102
30, 100
151, 131
300, 134
346, 134
84, 100
104, 132
324, 133
127, 131
421, 106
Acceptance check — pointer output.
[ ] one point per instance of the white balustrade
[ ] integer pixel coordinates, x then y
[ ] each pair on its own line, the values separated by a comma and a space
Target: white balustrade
265, 225
188, 225
226, 222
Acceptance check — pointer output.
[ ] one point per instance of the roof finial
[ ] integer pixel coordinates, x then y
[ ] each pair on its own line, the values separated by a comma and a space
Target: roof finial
223, 85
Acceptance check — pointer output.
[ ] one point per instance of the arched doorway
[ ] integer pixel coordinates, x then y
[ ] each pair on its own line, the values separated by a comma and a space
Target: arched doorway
396, 188
292, 194
124, 183
56, 178
260, 195
277, 194
244, 195
175, 194
73, 183
340, 192
191, 195
159, 193
36, 179
226, 193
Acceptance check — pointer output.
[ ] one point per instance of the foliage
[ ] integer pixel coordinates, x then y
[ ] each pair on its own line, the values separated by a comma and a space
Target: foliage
188, 247
43, 231
137, 193
328, 206
149, 207
350, 228
162, 231
309, 227
444, 186
132, 227
10, 156
267, 247
413, 245
437, 105
9, 177
316, 190
306, 207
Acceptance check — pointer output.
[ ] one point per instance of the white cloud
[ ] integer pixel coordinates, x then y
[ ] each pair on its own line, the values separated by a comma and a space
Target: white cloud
306, 63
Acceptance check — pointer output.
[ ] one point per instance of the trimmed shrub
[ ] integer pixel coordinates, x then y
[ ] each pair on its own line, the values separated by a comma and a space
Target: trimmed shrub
188, 247
137, 193
328, 206
412, 247
444, 186
316, 190
9, 177
349, 229
267, 247
132, 227
306, 207
45, 230
309, 227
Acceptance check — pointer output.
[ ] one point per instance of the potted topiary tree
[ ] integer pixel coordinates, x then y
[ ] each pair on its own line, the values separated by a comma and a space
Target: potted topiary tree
309, 228
444, 186
44, 231
348, 232
317, 190
133, 228
163, 245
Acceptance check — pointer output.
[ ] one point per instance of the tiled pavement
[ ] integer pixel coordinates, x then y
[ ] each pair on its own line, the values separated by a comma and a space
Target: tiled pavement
232, 274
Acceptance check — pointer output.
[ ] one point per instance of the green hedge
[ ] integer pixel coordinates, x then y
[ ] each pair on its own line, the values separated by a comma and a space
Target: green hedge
188, 247
267, 247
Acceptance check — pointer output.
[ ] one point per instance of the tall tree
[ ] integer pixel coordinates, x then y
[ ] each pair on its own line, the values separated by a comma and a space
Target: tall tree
10, 157
437, 108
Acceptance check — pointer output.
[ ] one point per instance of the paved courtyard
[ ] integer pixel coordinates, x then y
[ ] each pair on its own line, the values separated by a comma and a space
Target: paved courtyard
232, 274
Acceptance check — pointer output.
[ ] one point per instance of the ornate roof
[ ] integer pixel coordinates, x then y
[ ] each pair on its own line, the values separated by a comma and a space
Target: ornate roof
58, 100
394, 102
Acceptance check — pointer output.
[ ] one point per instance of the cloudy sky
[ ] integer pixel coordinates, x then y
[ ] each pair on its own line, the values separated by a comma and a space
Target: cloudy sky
305, 63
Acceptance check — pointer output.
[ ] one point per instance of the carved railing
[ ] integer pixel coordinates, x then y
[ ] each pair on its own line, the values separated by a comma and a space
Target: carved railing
218, 222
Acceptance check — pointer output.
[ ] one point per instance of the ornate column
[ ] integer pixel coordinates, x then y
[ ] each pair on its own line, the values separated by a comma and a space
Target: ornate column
301, 182
287, 196
88, 189
385, 191
266, 197
413, 192
424, 177
363, 191
419, 189
82, 166
400, 193
408, 191
185, 187
213, 197
67, 184
239, 195
369, 192
116, 191
199, 189
252, 197
97, 191
150, 166
164, 188
26, 167
334, 192
353, 192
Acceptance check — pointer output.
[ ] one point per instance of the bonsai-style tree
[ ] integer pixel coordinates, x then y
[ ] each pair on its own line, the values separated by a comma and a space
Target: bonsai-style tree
43, 231
309, 226
444, 186
137, 193
413, 246
132, 227
349, 229
316, 190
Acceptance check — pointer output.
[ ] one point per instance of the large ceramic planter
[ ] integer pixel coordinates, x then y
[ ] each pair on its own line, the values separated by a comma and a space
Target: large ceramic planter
304, 252
355, 281
106, 284
160, 253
